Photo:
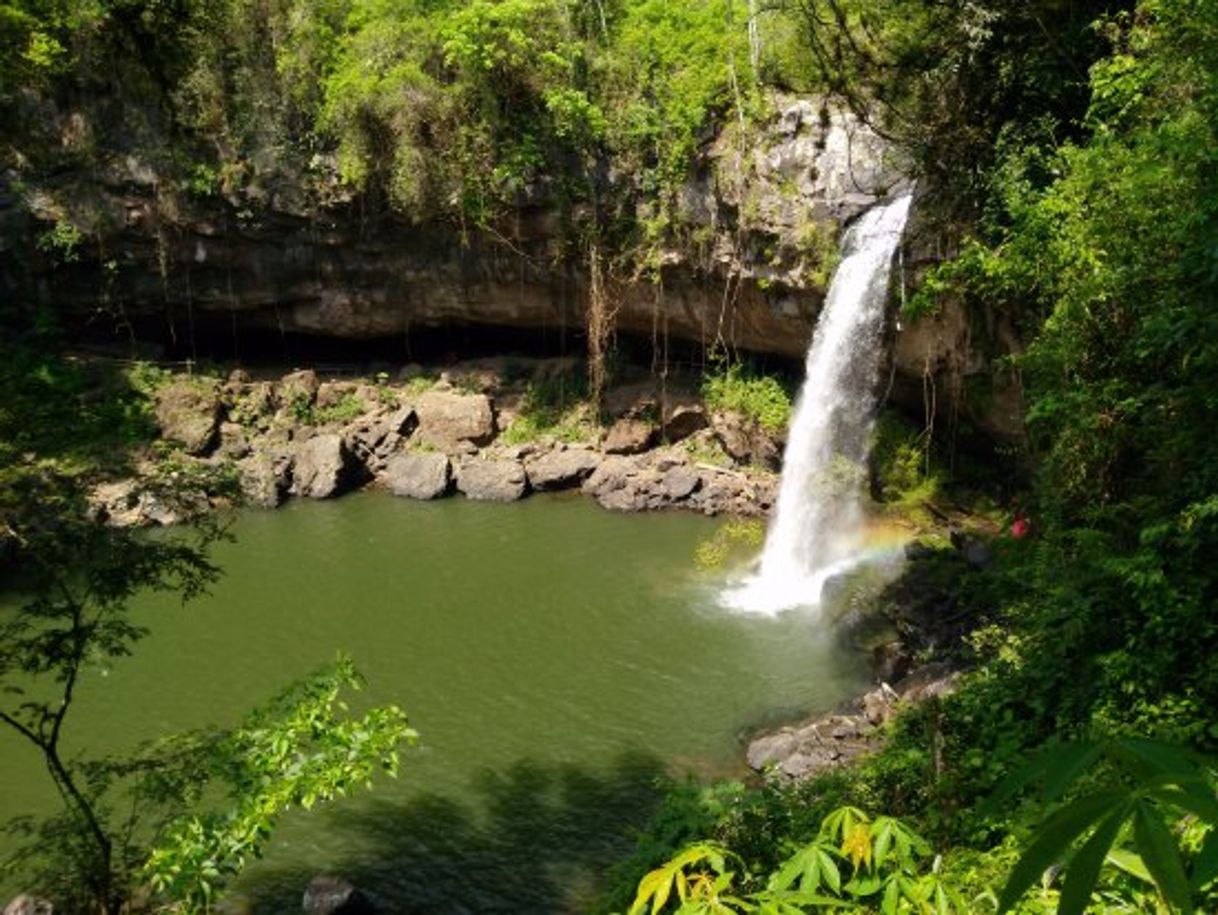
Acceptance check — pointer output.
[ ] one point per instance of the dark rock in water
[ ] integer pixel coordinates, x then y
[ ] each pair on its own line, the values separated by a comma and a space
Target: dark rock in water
418, 475
28, 905
491, 480
335, 896
188, 413
561, 469
322, 467
629, 435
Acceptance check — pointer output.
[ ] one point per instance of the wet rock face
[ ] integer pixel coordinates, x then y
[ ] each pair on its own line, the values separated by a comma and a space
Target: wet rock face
301, 267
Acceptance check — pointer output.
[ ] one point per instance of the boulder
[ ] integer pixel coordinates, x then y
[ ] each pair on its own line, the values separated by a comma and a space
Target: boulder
327, 895
264, 478
452, 422
561, 469
629, 435
683, 421
332, 393
188, 413
299, 388
374, 439
418, 474
28, 905
492, 480
322, 467
745, 441
233, 443
679, 483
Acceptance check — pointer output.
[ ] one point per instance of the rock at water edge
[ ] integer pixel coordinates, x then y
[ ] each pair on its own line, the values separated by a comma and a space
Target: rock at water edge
418, 475
322, 467
492, 480
561, 469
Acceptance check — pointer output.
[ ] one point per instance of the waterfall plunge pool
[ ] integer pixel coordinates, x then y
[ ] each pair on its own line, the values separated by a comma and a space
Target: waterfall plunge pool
556, 658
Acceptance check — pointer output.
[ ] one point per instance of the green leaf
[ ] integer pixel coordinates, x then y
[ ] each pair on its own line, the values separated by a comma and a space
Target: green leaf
1084, 869
1054, 837
1066, 764
1152, 757
1131, 863
1162, 857
1205, 867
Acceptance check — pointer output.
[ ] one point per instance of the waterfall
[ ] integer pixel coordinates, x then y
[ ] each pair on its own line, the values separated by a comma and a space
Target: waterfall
817, 526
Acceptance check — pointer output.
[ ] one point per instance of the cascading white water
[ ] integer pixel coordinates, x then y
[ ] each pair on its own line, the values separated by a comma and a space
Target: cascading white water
817, 531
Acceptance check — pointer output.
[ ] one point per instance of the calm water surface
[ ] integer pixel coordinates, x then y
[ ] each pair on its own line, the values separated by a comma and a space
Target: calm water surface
556, 658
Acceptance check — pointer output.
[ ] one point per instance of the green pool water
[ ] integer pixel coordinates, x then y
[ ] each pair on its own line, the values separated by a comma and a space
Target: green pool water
557, 659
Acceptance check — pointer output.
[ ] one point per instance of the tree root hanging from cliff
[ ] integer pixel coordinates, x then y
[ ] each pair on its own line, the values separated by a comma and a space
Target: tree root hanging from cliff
601, 314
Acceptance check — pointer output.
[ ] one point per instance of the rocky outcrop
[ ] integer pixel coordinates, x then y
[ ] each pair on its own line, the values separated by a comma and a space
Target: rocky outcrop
666, 478
296, 437
805, 750
769, 221
418, 475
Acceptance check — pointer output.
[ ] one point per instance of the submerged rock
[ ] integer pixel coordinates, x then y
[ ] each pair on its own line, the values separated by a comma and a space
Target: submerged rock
327, 895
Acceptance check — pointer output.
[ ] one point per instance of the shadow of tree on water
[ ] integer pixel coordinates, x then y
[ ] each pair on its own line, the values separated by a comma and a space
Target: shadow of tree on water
534, 838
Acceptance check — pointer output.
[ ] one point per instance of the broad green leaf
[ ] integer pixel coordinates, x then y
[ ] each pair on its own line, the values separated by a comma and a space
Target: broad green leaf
1066, 764
1131, 863
1158, 850
1084, 870
1053, 838
1205, 867
1153, 757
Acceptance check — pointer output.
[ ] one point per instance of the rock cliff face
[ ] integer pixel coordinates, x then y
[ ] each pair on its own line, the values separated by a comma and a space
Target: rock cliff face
759, 227
759, 223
